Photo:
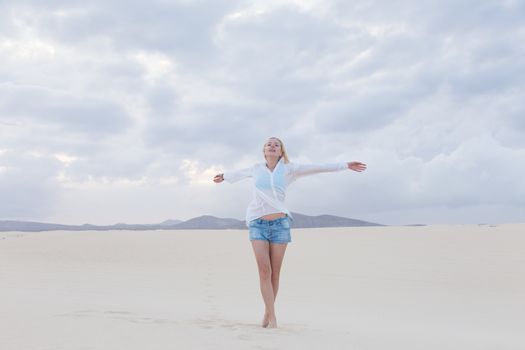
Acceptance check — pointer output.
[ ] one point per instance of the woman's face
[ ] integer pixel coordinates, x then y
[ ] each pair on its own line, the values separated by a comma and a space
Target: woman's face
272, 148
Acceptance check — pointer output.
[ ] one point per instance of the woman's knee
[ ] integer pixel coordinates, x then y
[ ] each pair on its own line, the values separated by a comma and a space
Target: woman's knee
265, 271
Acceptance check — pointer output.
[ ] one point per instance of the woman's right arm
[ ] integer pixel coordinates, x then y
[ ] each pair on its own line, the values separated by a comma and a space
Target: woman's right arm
234, 176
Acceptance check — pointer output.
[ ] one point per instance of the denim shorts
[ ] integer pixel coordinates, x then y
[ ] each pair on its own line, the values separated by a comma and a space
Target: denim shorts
273, 231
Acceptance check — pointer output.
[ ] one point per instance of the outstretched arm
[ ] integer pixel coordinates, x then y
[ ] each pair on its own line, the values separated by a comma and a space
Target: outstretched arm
233, 176
299, 170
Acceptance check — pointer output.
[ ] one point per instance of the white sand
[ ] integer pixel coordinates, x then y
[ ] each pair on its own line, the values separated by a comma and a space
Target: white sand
438, 287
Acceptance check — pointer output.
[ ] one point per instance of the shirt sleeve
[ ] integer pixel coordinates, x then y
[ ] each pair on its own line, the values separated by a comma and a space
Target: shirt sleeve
299, 170
234, 176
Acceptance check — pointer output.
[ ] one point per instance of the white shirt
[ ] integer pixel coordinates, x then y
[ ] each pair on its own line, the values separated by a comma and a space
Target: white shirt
269, 187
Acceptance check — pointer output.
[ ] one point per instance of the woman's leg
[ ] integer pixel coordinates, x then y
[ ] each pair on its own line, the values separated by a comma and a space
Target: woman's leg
269, 261
276, 260
262, 256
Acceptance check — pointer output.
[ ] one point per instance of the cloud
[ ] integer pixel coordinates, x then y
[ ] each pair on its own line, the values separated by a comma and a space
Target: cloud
177, 27
28, 186
67, 111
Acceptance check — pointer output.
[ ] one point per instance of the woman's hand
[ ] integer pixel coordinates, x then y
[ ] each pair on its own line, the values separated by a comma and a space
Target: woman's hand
218, 178
356, 166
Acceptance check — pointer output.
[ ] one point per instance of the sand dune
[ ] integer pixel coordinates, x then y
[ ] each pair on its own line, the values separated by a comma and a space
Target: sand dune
436, 287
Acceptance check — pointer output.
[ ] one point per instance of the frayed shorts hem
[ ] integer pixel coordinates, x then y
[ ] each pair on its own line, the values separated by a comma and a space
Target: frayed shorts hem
272, 242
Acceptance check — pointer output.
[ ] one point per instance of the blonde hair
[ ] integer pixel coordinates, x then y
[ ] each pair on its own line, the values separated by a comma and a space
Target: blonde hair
283, 150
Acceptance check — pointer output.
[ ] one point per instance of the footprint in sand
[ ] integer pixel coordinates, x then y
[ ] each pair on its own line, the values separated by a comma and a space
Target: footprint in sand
79, 313
118, 312
118, 315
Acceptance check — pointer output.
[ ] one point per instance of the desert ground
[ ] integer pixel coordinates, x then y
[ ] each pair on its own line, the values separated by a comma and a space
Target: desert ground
419, 287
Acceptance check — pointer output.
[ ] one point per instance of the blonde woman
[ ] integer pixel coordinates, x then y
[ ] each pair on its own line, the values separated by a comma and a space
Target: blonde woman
267, 217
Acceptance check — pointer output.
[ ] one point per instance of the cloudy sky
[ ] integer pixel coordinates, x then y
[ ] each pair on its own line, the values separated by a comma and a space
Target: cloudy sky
123, 111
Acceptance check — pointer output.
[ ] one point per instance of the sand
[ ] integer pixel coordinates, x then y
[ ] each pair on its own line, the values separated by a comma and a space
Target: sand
435, 287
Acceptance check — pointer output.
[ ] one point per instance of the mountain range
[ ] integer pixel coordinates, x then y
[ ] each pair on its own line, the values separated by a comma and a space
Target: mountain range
204, 222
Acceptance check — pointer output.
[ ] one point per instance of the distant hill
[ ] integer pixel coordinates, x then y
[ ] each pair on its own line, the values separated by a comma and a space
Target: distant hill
170, 222
305, 221
211, 222
204, 222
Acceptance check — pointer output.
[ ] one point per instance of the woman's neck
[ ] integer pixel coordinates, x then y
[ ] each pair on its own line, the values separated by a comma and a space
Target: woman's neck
271, 162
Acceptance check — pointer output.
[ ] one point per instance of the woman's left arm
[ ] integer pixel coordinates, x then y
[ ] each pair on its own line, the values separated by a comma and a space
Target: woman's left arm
299, 170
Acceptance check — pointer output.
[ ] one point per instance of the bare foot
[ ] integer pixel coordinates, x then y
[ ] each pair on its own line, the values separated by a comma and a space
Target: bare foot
266, 320
272, 323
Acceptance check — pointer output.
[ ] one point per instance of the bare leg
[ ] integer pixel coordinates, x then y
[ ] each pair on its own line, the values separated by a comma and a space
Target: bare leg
269, 259
276, 260
262, 256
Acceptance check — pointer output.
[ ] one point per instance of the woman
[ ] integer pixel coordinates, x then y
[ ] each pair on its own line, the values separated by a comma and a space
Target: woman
268, 218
